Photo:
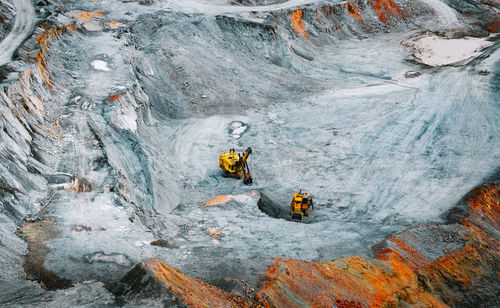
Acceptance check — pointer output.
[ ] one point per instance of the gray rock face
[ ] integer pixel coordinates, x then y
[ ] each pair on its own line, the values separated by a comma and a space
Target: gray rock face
7, 15
111, 130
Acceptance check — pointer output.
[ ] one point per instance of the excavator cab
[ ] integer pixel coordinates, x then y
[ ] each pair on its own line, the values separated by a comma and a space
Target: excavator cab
301, 206
235, 165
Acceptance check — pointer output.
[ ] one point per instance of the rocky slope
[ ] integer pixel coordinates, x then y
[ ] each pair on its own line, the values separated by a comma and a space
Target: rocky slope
113, 114
7, 14
455, 264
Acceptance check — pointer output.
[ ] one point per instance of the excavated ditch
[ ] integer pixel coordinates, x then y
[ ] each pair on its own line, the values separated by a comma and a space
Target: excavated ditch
116, 129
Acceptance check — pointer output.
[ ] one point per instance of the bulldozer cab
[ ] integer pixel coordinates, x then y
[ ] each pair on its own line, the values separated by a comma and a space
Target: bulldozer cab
301, 206
297, 202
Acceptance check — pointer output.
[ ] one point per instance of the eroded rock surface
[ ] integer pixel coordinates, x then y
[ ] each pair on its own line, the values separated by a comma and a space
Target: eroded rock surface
452, 265
152, 278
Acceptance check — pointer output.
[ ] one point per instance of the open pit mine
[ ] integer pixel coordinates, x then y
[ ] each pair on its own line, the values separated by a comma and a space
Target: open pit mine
249, 153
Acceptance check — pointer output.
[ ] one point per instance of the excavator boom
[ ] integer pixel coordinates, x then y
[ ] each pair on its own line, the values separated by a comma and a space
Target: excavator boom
247, 178
247, 153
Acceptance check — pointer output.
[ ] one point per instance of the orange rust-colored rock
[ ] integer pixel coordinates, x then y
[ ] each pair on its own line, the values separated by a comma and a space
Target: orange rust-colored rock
353, 10
485, 205
114, 97
89, 19
407, 270
79, 185
223, 199
355, 280
401, 275
214, 233
298, 24
83, 16
386, 9
44, 41
470, 267
192, 292
494, 26
218, 200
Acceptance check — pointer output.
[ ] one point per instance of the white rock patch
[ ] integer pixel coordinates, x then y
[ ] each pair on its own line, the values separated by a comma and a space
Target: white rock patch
100, 65
237, 129
437, 51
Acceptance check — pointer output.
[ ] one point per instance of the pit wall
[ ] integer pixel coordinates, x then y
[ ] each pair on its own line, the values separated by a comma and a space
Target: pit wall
353, 18
408, 270
7, 15
461, 272
28, 137
481, 15
169, 83
260, 49
32, 145
31, 141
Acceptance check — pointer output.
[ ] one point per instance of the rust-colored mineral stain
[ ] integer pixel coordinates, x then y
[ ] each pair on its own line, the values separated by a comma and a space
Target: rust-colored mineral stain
412, 255
86, 16
298, 24
353, 10
114, 97
342, 303
218, 200
457, 265
397, 276
55, 130
214, 232
80, 185
44, 41
484, 205
193, 292
223, 199
348, 282
386, 9
494, 27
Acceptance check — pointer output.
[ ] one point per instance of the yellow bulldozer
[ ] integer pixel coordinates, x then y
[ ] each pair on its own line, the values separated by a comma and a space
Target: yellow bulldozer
235, 165
301, 206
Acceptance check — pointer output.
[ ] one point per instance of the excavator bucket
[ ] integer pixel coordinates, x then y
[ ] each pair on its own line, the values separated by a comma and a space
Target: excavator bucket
247, 180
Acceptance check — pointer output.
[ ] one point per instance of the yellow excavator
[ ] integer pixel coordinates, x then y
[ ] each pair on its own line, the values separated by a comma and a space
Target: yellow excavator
301, 206
235, 165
